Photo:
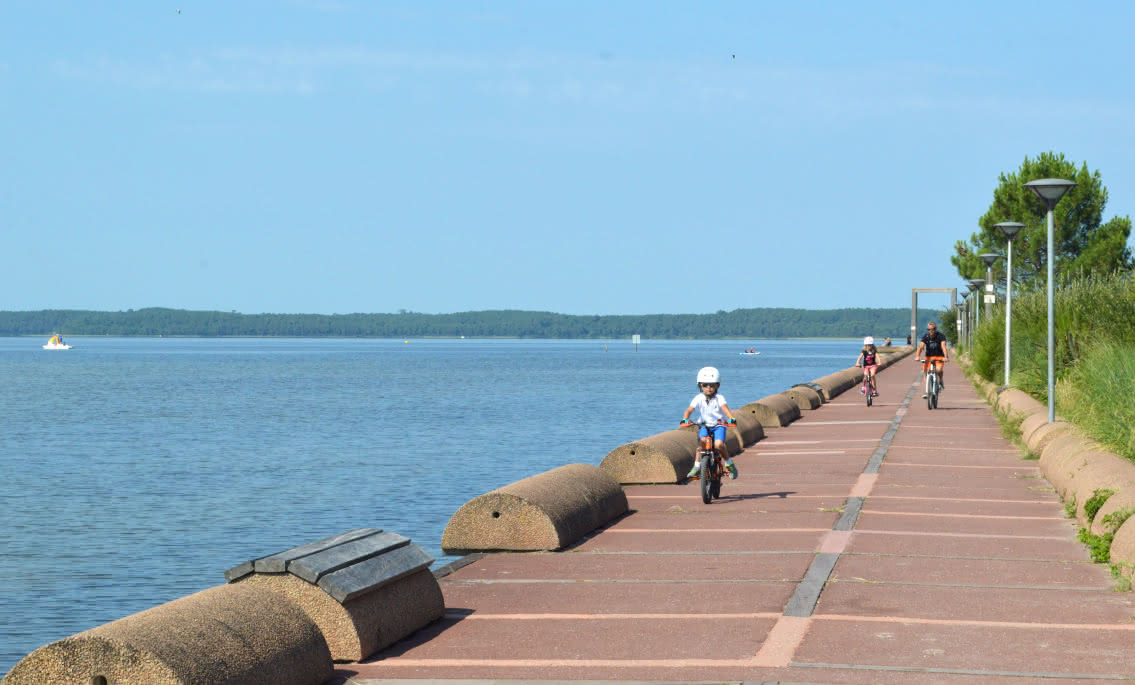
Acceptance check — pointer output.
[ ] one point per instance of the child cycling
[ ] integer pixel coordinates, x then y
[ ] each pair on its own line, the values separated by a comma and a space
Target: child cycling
869, 359
712, 410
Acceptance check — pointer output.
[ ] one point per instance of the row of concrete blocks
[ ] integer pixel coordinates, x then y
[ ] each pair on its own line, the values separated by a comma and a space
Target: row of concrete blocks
285, 618
282, 619
1076, 466
551, 510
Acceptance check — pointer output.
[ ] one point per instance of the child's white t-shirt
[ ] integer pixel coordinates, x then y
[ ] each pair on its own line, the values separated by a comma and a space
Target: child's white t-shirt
709, 410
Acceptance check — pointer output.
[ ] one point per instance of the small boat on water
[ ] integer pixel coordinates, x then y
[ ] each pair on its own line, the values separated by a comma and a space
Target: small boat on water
56, 343
751, 352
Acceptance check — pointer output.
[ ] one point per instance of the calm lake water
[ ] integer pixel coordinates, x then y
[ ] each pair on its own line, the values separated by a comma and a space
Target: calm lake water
137, 470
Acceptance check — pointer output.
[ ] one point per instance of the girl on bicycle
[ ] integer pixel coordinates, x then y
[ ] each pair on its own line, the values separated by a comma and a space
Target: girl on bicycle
869, 360
713, 411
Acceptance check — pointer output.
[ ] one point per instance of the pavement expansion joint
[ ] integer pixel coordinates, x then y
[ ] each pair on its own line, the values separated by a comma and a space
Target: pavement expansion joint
1071, 588
963, 671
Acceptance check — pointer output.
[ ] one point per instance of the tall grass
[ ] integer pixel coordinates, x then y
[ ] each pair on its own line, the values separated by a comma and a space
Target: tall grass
1094, 322
1096, 395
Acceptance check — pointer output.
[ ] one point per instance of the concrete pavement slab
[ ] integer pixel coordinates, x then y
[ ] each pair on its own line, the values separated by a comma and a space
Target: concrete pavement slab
1037, 651
966, 523
585, 567
692, 596
986, 507
993, 572
671, 639
976, 603
768, 539
995, 547
706, 516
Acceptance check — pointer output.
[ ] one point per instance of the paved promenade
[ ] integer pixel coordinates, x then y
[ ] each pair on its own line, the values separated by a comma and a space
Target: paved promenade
860, 545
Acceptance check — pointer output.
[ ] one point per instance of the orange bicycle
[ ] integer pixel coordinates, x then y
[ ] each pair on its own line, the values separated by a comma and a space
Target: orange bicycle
712, 465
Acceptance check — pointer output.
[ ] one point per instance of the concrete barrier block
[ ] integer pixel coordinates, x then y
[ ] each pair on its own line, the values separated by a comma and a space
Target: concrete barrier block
818, 389
774, 411
804, 397
226, 635
1061, 459
748, 427
547, 511
835, 383
1104, 470
1122, 501
1123, 548
1037, 432
365, 589
1016, 402
367, 623
662, 458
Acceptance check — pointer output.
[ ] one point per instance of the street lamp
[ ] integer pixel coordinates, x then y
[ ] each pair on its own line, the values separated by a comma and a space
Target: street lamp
965, 301
1009, 228
989, 258
1050, 190
975, 286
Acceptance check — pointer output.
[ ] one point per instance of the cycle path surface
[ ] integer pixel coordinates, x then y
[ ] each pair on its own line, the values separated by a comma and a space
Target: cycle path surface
861, 544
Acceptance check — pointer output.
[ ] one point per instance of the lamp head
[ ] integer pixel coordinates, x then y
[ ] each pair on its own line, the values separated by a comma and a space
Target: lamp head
989, 258
976, 284
1050, 189
1009, 228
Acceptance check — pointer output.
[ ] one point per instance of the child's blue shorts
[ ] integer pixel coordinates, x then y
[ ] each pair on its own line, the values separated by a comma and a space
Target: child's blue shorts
718, 432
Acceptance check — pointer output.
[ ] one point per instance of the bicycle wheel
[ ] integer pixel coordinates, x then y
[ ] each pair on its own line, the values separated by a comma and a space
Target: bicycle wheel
868, 390
930, 392
705, 476
935, 395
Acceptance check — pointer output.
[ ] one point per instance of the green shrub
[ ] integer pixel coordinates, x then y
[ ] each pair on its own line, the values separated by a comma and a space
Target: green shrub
1097, 500
1099, 546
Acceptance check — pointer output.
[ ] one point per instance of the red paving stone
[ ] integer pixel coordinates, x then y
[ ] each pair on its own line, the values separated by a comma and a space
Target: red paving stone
959, 568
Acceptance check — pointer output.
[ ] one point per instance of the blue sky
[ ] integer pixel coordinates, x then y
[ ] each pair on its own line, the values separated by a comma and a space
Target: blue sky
337, 156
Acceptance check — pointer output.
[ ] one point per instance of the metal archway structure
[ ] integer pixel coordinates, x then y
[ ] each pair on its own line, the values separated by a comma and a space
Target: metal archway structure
914, 292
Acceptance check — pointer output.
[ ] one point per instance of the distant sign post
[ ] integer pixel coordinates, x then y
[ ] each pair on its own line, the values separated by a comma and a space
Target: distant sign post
635, 339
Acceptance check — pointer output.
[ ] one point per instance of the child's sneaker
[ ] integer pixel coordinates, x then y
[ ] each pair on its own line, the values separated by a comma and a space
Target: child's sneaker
874, 393
694, 471
862, 390
732, 471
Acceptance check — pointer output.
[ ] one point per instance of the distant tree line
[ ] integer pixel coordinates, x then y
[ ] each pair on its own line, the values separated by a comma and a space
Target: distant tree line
739, 323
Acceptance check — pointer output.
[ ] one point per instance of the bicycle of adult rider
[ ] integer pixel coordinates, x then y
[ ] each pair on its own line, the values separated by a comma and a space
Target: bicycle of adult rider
933, 380
712, 465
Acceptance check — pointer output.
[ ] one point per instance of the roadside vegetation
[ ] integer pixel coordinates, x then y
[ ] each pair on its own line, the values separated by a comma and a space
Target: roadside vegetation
1094, 354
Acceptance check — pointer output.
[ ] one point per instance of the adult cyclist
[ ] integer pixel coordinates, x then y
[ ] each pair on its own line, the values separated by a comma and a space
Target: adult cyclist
933, 348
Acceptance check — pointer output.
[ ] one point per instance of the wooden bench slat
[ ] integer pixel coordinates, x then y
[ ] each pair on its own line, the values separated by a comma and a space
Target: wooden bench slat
278, 563
314, 566
371, 574
239, 571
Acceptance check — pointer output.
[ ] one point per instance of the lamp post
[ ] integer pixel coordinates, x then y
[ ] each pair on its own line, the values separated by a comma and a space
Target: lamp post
975, 286
1009, 228
989, 258
1050, 190
965, 317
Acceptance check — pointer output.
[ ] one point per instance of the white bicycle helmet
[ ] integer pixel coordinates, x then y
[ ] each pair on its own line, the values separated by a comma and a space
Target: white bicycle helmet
709, 374
869, 340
